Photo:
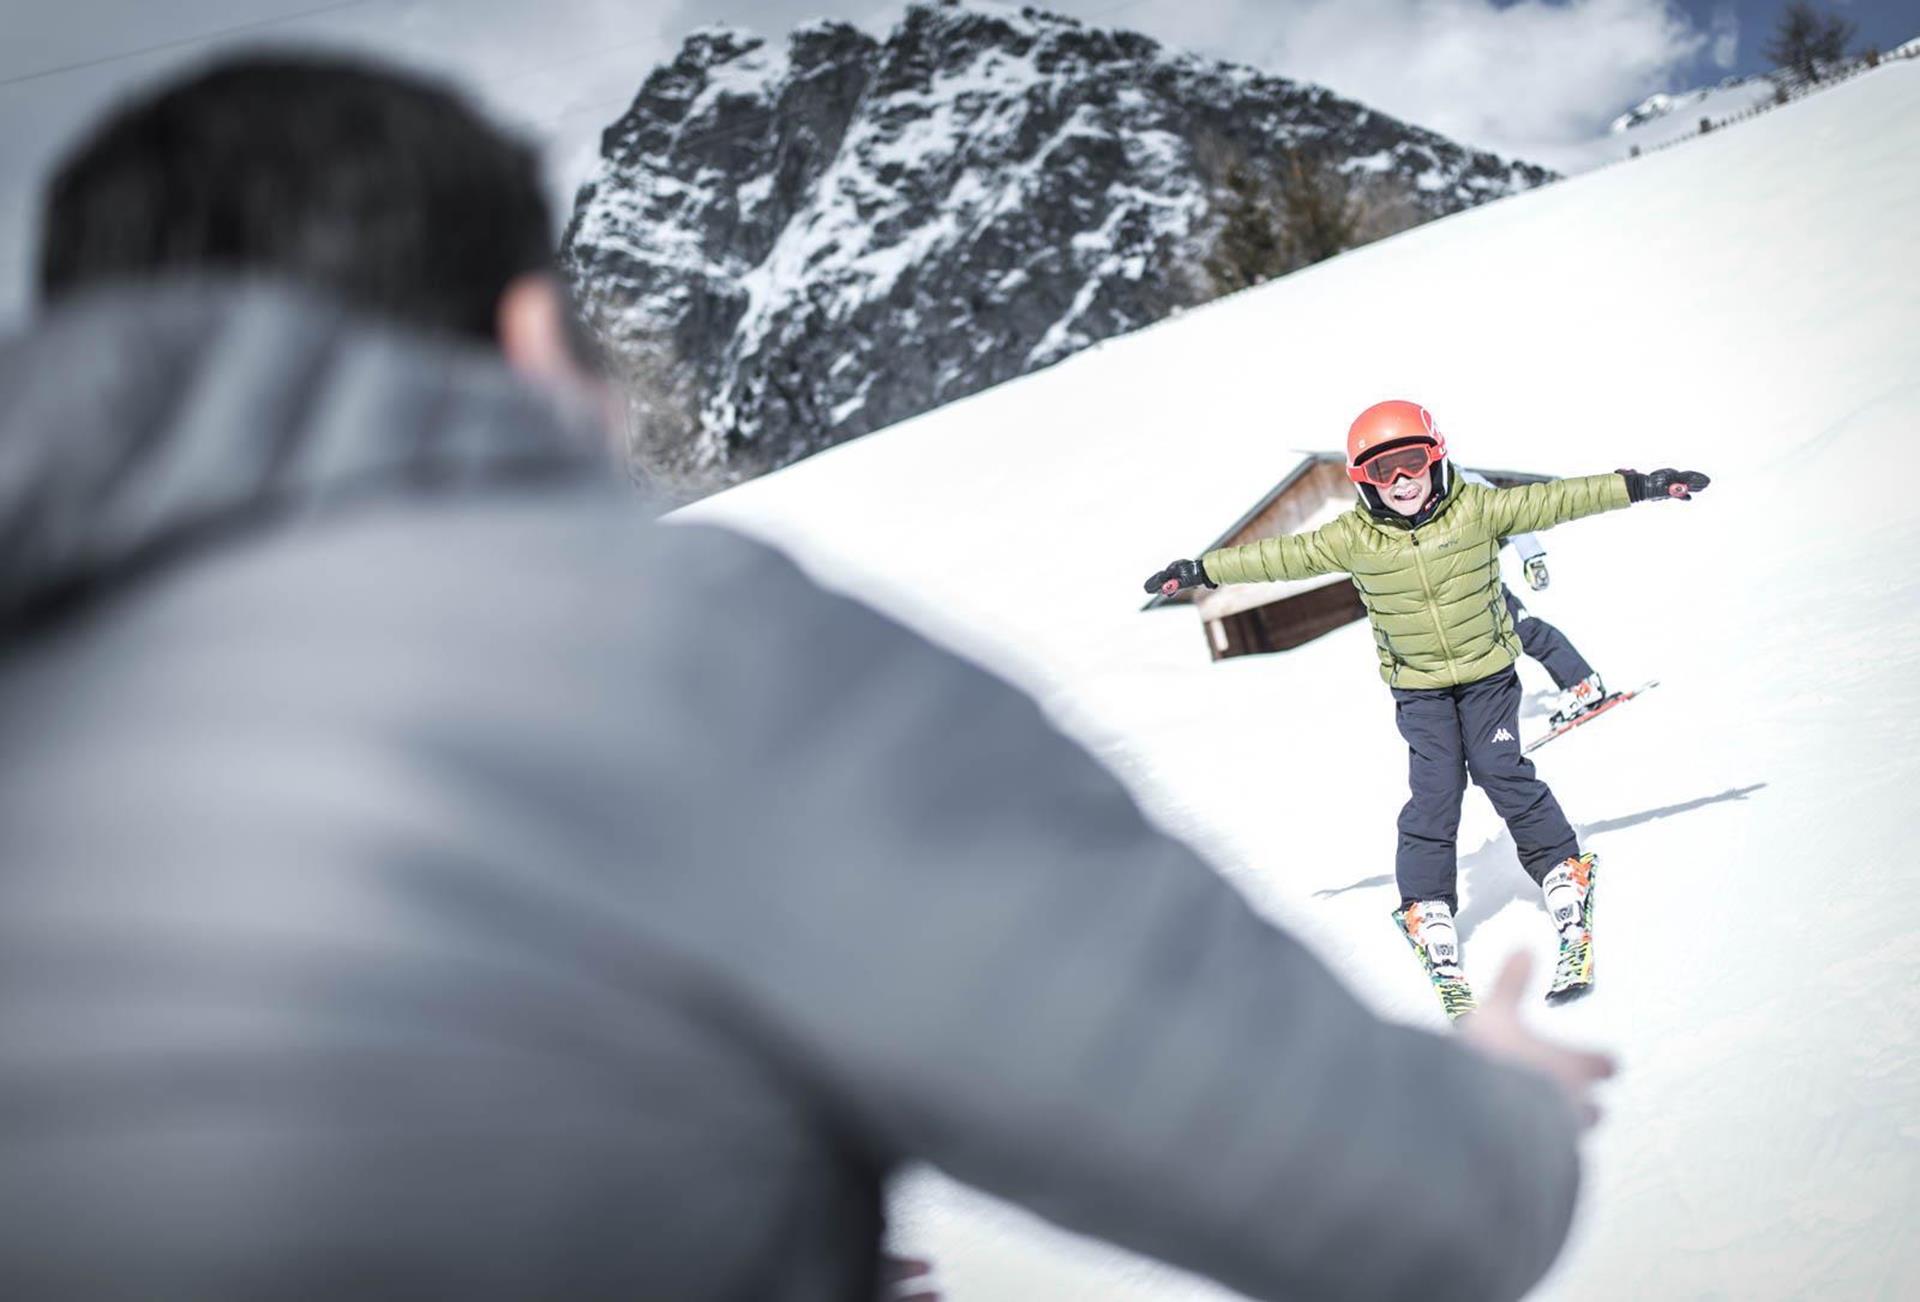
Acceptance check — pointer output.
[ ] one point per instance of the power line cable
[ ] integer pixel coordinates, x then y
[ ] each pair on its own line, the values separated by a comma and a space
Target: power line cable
186, 40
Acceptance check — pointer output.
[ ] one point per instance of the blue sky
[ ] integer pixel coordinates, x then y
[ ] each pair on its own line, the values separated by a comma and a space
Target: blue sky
1530, 78
1881, 23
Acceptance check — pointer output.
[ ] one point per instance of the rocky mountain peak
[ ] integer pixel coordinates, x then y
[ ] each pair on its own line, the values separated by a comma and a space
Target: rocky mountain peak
788, 245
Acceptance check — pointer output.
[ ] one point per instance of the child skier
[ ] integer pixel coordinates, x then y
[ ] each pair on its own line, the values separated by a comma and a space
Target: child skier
1423, 550
1579, 682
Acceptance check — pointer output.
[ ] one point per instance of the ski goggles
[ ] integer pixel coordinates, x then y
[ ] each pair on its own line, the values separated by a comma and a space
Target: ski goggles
1405, 462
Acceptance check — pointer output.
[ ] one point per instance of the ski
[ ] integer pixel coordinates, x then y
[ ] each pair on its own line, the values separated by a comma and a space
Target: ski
1607, 702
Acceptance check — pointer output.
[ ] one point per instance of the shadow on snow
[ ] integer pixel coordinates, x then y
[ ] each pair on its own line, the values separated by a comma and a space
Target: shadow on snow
1490, 877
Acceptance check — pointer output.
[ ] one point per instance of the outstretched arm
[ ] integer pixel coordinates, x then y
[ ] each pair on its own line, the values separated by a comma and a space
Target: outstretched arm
948, 919
1291, 556
1532, 507
1541, 506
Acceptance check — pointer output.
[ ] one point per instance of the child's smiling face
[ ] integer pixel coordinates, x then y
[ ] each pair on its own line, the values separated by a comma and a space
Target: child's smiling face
1409, 494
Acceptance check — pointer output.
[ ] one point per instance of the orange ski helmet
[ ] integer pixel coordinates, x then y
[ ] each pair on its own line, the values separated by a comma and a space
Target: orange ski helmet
1391, 439
1386, 423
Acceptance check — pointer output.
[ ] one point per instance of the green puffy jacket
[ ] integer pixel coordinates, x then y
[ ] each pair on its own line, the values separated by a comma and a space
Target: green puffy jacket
1432, 592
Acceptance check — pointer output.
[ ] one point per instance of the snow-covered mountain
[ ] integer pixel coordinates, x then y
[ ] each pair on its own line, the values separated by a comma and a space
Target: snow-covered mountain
1742, 303
1661, 119
788, 246
1683, 110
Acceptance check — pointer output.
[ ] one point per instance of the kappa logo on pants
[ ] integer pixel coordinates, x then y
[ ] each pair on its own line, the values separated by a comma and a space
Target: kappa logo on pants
1502, 735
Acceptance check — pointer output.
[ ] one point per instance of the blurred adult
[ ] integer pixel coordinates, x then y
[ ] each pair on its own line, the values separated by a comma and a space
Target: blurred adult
420, 874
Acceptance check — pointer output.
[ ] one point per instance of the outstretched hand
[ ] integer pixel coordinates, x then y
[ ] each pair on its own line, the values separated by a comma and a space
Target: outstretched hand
1178, 575
1682, 484
906, 1279
1658, 484
1495, 1029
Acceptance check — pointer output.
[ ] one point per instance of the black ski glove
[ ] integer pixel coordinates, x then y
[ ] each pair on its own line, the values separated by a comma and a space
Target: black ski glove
1178, 575
1658, 484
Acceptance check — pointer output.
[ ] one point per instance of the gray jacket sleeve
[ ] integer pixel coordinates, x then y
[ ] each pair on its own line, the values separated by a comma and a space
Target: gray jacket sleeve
512, 797
963, 932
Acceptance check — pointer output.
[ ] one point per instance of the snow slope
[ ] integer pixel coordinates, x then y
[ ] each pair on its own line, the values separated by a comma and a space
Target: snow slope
1748, 304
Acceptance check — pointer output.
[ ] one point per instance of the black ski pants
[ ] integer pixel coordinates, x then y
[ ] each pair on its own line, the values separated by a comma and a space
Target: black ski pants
1454, 733
1546, 644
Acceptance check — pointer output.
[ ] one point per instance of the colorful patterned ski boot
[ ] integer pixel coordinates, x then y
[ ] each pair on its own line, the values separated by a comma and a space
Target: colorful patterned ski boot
1569, 891
1428, 927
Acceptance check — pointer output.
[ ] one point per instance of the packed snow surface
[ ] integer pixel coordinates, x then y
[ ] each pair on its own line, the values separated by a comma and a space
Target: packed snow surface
1747, 304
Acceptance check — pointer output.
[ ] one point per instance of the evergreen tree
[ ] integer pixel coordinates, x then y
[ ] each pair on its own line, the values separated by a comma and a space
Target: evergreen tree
1321, 211
1250, 247
1807, 42
1270, 225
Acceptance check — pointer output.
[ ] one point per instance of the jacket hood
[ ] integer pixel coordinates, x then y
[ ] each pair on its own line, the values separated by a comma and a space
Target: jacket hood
139, 423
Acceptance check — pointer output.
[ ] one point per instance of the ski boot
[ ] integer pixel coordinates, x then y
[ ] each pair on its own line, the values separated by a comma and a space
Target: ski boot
1578, 699
1428, 927
1569, 891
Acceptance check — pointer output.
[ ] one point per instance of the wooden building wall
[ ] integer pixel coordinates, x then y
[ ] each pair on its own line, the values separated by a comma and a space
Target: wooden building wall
1324, 481
1285, 624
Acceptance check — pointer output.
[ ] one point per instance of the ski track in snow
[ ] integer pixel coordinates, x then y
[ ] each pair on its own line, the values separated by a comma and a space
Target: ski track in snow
1749, 305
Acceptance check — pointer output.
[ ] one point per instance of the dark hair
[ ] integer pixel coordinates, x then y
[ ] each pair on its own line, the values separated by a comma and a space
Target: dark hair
378, 184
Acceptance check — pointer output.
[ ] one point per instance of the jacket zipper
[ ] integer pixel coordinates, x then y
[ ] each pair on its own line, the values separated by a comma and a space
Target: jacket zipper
1426, 590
